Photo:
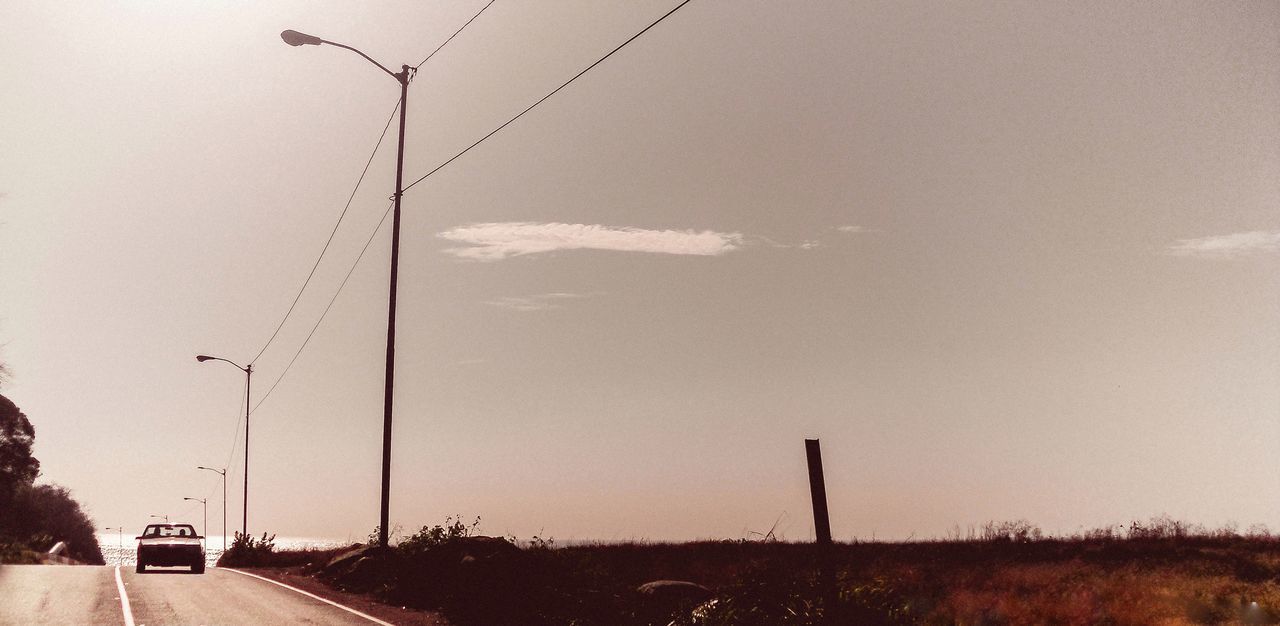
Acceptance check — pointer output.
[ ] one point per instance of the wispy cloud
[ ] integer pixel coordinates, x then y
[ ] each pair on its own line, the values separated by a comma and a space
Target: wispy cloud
812, 244
537, 302
1227, 246
495, 241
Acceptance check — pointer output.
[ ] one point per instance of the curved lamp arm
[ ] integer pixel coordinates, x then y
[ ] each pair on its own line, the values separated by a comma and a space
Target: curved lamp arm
295, 38
202, 358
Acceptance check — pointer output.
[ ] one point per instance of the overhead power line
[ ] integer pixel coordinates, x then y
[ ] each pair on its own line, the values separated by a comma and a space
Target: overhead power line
438, 168
455, 34
357, 187
544, 98
326, 310
331, 234
235, 438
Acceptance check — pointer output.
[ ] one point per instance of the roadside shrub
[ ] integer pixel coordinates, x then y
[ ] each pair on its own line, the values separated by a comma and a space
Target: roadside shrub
245, 551
41, 515
433, 536
18, 555
34, 517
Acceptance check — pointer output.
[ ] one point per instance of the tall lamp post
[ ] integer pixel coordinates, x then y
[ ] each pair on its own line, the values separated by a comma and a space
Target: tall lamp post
223, 472
248, 379
295, 38
204, 532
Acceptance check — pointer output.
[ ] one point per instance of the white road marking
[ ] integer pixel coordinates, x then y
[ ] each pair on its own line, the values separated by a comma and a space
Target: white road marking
310, 595
124, 600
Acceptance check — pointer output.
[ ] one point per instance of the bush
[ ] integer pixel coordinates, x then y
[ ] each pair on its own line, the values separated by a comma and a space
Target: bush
1020, 531
34, 517
41, 515
429, 537
245, 551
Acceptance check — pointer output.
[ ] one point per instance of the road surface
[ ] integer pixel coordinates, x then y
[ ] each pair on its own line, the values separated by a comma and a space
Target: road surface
51, 594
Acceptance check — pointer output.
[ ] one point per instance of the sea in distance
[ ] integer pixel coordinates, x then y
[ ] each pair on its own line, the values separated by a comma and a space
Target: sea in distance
122, 550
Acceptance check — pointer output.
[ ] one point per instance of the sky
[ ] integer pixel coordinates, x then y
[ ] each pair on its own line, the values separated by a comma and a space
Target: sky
1006, 260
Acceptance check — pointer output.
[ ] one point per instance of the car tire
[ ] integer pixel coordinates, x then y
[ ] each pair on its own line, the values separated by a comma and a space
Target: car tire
141, 568
198, 568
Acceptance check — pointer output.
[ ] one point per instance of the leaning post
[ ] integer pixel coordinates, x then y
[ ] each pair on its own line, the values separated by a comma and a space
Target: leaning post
818, 492
822, 531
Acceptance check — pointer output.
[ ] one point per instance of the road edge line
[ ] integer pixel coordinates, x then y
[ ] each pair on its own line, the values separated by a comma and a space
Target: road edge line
124, 599
310, 595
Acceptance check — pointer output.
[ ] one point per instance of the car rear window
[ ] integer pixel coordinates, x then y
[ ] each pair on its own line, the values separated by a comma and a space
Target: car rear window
170, 530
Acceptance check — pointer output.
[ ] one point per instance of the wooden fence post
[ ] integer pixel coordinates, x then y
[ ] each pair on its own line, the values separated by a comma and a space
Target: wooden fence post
818, 492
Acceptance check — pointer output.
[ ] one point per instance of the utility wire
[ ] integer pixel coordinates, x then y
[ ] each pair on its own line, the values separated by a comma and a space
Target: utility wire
331, 234
544, 98
326, 309
455, 34
235, 438
438, 168
357, 187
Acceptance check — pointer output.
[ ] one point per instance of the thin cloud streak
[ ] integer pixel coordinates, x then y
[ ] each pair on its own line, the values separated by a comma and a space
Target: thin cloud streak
1227, 246
495, 241
537, 302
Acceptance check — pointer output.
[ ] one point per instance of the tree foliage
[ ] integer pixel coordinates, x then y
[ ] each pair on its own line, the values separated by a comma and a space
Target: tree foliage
34, 517
42, 515
18, 466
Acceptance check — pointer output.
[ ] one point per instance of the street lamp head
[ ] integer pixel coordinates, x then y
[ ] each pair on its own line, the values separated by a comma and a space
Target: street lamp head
202, 358
295, 38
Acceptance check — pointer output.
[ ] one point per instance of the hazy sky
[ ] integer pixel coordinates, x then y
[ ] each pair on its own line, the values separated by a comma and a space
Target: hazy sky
1007, 260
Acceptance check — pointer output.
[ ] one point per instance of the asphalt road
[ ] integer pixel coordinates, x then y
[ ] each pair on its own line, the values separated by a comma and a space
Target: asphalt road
51, 594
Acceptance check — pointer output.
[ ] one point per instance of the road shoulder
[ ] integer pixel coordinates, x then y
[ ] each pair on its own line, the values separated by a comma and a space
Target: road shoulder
396, 615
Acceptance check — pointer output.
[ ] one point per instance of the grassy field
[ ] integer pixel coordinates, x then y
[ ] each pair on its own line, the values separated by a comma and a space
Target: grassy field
1157, 573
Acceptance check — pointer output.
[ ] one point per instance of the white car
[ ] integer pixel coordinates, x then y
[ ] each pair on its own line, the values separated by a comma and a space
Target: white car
170, 544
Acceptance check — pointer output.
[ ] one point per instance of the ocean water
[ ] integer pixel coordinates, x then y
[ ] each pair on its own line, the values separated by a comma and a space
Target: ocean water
123, 550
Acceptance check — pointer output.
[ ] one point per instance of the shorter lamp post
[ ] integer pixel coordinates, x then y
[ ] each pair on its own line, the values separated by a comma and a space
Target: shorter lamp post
163, 517
248, 379
119, 543
223, 472
205, 502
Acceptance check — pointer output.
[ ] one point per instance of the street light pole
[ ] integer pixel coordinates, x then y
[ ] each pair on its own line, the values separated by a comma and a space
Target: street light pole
295, 38
248, 380
119, 543
204, 532
163, 517
223, 472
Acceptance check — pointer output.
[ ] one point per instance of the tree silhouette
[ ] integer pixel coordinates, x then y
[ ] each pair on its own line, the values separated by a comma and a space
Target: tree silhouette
18, 467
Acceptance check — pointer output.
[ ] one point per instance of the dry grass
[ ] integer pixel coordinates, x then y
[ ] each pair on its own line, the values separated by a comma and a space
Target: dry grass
1177, 575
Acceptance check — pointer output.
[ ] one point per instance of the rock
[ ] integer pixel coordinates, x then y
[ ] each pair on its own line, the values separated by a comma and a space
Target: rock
674, 592
361, 574
662, 598
473, 550
482, 547
342, 563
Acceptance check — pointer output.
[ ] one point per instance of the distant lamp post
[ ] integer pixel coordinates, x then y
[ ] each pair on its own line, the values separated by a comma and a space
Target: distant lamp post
163, 517
295, 38
248, 379
204, 532
119, 543
222, 472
